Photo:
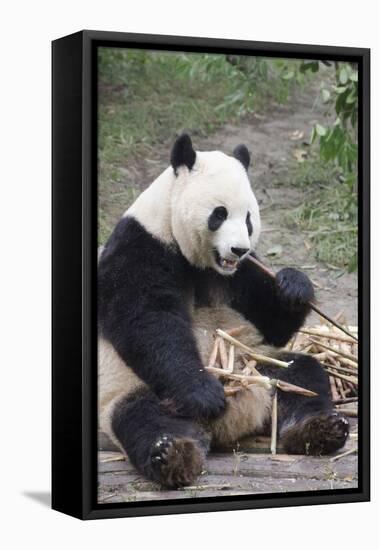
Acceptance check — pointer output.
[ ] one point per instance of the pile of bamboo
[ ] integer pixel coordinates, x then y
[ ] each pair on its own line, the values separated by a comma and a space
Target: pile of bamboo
241, 376
335, 350
338, 353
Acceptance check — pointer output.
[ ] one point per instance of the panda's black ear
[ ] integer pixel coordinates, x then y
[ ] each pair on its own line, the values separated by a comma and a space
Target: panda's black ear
182, 153
242, 154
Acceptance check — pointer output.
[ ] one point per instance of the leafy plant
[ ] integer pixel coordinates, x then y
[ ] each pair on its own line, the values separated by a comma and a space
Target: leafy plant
338, 142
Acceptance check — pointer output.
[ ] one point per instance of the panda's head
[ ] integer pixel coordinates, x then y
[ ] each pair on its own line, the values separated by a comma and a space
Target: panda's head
215, 215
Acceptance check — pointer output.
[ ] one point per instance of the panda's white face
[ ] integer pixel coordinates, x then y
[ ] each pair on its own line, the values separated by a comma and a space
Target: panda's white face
214, 212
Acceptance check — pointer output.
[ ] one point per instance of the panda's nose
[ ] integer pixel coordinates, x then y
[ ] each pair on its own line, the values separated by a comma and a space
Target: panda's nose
239, 251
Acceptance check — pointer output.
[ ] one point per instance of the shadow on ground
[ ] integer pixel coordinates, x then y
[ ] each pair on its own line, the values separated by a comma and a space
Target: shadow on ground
41, 497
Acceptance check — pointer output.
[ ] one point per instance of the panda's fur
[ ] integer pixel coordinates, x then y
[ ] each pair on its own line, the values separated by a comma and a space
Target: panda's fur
172, 272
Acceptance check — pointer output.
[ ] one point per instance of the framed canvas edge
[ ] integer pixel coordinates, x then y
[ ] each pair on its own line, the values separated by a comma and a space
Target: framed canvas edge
87, 507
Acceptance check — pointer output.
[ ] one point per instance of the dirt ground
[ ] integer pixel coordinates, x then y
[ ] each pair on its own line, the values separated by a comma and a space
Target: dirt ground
273, 139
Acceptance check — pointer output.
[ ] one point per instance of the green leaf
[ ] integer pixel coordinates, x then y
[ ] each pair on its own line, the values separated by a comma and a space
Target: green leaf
340, 103
343, 76
340, 89
353, 265
351, 98
321, 130
309, 66
354, 76
354, 118
313, 136
288, 75
325, 94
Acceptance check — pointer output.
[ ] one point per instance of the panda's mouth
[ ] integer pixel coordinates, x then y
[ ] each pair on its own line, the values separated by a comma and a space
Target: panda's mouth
225, 263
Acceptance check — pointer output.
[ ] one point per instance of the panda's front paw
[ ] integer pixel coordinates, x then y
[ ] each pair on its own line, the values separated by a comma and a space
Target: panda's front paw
203, 399
294, 288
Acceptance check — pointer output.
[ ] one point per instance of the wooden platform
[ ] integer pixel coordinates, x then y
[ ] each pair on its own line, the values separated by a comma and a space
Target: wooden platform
249, 469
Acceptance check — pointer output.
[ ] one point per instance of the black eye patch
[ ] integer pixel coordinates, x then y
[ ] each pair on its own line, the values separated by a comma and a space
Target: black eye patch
249, 224
217, 217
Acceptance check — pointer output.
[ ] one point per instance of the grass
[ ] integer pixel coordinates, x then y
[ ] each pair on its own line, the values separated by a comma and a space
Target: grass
329, 213
148, 97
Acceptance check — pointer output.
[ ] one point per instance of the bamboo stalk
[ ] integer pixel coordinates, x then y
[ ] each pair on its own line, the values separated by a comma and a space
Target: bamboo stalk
340, 388
346, 453
312, 304
348, 356
251, 365
348, 412
237, 330
274, 422
118, 458
345, 401
251, 352
223, 355
344, 370
231, 358
333, 388
251, 379
351, 379
214, 352
232, 390
218, 486
287, 387
330, 335
320, 356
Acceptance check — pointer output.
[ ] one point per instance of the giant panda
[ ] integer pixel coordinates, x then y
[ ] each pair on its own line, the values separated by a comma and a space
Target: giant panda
173, 270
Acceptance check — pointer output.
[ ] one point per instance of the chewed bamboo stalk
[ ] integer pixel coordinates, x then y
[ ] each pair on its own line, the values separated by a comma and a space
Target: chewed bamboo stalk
348, 356
274, 422
251, 352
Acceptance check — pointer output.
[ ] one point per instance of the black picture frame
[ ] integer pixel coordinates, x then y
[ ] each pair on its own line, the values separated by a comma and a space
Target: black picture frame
74, 333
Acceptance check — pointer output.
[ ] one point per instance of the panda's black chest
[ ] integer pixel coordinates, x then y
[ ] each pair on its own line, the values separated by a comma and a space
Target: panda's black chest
209, 289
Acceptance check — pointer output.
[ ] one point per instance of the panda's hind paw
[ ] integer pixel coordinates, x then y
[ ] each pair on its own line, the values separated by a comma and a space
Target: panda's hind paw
176, 461
317, 435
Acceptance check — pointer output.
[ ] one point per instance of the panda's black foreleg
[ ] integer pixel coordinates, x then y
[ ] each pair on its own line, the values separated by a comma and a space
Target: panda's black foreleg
307, 425
166, 449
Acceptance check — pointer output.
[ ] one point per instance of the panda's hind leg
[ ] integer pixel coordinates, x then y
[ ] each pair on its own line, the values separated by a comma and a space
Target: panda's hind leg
168, 450
307, 425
